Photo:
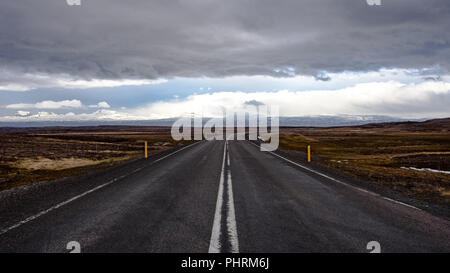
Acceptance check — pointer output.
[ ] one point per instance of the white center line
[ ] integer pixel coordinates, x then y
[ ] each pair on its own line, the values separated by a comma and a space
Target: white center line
231, 216
215, 245
31, 218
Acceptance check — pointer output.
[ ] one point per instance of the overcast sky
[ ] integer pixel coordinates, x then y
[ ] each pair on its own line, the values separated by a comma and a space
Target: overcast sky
139, 59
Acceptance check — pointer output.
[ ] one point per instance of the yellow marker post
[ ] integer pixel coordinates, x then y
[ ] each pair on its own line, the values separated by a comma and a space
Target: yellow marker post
309, 153
146, 154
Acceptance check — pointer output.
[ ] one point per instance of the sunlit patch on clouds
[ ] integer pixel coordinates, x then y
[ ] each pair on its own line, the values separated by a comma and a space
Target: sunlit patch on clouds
99, 115
421, 100
23, 113
83, 84
102, 104
406, 93
47, 104
376, 98
19, 81
50, 104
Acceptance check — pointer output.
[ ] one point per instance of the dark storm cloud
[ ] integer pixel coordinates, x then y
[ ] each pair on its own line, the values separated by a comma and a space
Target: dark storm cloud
433, 78
162, 38
322, 77
254, 103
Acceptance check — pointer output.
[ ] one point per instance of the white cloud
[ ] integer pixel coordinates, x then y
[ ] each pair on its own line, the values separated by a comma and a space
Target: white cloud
51, 116
23, 113
427, 99
73, 84
102, 104
13, 87
422, 100
47, 104
22, 81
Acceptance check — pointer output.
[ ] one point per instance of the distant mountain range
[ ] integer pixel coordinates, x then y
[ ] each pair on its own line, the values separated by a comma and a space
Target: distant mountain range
338, 120
304, 121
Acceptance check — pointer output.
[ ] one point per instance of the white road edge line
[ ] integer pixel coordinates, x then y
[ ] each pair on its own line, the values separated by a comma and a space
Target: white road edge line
31, 218
340, 182
214, 244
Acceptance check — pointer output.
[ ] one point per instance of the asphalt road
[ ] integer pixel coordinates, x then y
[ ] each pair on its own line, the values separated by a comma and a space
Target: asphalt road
212, 196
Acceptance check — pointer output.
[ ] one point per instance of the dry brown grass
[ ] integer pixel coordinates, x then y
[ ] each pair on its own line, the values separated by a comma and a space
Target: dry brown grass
33, 155
376, 155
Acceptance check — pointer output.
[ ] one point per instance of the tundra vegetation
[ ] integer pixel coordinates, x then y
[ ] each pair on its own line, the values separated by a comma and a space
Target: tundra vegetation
382, 154
40, 154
